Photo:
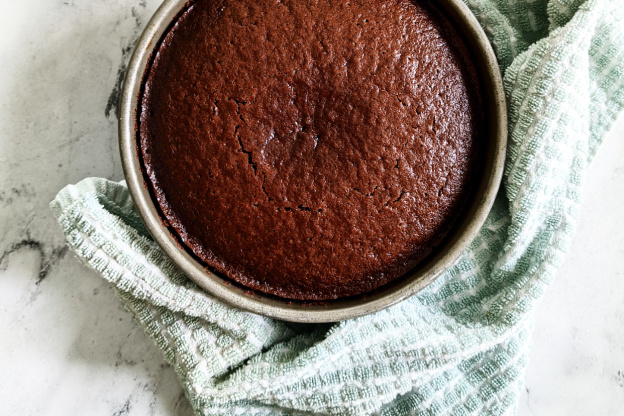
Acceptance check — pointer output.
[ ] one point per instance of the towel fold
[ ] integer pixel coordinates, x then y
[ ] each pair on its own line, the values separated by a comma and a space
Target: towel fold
460, 346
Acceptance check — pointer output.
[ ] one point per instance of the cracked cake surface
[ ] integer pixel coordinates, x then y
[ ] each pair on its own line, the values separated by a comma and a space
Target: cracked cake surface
311, 150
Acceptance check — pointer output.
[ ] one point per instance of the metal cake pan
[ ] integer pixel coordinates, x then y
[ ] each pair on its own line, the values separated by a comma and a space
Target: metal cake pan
456, 242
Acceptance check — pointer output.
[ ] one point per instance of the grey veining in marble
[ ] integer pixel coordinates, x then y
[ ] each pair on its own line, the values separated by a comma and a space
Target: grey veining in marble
66, 344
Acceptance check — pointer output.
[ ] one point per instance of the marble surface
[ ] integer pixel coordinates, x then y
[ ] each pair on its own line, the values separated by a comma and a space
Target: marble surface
66, 344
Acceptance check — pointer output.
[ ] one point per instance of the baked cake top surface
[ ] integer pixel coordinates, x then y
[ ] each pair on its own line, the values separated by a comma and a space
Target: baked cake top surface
310, 149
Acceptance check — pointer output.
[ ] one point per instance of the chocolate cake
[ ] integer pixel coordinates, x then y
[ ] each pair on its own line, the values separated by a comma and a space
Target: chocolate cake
310, 150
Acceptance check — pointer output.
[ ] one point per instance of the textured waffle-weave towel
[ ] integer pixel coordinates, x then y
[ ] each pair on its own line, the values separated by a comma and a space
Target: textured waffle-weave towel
460, 346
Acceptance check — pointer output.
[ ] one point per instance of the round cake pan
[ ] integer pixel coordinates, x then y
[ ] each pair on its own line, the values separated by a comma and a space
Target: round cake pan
445, 255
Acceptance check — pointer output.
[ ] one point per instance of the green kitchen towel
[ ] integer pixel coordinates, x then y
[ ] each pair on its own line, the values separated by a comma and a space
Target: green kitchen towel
460, 346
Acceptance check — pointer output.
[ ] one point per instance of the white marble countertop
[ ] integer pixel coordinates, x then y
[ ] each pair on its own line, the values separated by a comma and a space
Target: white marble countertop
66, 344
